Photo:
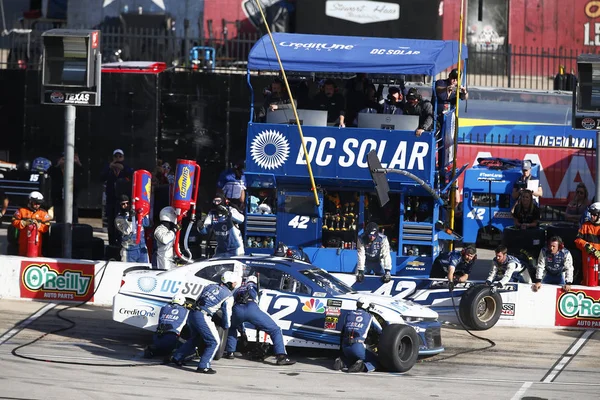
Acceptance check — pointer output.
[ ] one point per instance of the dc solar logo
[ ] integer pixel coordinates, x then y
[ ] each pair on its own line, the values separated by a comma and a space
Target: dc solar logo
147, 284
270, 149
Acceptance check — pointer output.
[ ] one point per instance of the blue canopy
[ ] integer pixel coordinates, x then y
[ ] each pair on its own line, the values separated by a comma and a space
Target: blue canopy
352, 54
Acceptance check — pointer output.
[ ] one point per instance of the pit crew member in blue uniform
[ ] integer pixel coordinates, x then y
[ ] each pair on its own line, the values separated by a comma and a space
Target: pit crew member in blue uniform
554, 266
455, 265
504, 268
164, 238
130, 250
171, 320
212, 298
246, 309
373, 250
224, 220
354, 333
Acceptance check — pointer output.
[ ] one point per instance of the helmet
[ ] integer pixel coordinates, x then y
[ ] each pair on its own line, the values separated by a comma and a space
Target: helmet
168, 214
363, 303
36, 197
371, 229
229, 277
178, 299
41, 164
282, 250
594, 209
252, 278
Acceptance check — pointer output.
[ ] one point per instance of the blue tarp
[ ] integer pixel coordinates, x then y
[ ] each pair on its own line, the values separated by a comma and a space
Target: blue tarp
352, 54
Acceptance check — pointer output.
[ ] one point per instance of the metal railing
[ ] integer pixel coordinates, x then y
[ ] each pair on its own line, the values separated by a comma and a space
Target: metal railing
505, 66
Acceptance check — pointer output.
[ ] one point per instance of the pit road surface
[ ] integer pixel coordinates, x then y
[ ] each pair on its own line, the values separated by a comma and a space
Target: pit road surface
526, 363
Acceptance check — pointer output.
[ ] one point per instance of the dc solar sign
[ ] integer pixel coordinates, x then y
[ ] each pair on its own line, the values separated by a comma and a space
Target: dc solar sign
71, 67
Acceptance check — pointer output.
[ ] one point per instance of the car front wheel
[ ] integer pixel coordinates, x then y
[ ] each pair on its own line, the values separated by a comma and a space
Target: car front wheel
398, 348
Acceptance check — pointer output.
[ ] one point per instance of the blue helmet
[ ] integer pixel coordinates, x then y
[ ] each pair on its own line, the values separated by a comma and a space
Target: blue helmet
41, 164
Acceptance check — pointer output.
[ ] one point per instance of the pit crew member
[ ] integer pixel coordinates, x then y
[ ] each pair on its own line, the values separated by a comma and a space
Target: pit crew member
171, 320
354, 333
504, 268
373, 250
32, 214
224, 220
554, 265
455, 265
164, 236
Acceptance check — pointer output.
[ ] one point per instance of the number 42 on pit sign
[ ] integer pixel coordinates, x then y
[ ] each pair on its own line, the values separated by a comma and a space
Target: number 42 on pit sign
299, 222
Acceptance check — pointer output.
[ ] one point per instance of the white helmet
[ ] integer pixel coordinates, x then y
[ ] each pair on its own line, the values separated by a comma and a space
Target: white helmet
228, 277
594, 208
36, 196
168, 214
362, 302
252, 278
178, 299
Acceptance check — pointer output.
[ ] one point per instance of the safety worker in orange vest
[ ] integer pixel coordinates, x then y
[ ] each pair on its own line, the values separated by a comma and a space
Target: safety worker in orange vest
31, 220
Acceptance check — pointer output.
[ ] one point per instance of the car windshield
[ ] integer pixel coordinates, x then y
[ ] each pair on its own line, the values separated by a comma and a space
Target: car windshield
327, 281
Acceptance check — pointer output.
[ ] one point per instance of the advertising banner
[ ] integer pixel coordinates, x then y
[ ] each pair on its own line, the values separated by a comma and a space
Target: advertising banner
579, 309
56, 281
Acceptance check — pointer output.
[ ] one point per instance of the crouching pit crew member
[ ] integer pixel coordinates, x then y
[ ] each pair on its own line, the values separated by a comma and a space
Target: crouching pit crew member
353, 336
373, 250
554, 265
504, 268
212, 298
171, 320
246, 309
455, 265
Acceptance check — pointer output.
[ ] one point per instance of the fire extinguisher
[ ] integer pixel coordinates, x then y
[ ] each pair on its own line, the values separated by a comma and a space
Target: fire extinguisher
590, 270
184, 200
140, 204
34, 245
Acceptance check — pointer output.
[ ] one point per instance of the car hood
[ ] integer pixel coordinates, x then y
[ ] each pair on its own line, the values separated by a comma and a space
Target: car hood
405, 308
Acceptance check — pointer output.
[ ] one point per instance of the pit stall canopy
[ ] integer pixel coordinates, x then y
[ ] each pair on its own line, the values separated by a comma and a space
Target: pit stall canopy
339, 156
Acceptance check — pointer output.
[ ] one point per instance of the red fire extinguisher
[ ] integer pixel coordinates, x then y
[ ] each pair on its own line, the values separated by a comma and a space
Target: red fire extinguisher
590, 270
185, 197
34, 244
140, 204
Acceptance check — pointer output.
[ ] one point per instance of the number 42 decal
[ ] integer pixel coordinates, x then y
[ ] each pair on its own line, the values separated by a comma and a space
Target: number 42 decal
299, 222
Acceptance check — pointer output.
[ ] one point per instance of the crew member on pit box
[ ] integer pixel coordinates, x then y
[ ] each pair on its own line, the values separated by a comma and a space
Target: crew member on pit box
415, 105
333, 102
171, 320
354, 333
455, 265
588, 240
212, 298
554, 266
130, 250
504, 268
232, 182
526, 214
164, 237
373, 250
445, 90
116, 171
32, 214
527, 182
224, 220
246, 309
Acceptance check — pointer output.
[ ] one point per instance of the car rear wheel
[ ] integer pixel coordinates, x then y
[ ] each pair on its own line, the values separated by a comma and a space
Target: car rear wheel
480, 308
398, 348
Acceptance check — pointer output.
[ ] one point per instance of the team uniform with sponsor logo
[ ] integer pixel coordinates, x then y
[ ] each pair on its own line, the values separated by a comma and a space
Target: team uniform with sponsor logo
171, 320
246, 309
355, 331
224, 223
212, 298
374, 257
451, 259
506, 271
555, 269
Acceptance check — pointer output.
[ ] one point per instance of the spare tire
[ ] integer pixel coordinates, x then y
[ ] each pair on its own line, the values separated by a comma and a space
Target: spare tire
398, 347
480, 308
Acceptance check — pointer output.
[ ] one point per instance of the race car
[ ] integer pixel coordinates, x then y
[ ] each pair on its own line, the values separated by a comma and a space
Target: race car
308, 303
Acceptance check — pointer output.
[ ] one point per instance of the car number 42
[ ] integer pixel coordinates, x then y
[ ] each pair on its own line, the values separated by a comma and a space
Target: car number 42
299, 222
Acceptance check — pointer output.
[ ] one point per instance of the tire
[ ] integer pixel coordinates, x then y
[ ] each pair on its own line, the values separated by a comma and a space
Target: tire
398, 348
479, 308
223, 343
97, 248
82, 234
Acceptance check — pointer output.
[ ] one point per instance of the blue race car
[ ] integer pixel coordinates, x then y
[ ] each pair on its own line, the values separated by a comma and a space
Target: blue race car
308, 303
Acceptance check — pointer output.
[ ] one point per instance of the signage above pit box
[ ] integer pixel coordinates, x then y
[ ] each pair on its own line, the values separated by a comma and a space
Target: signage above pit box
362, 12
59, 97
